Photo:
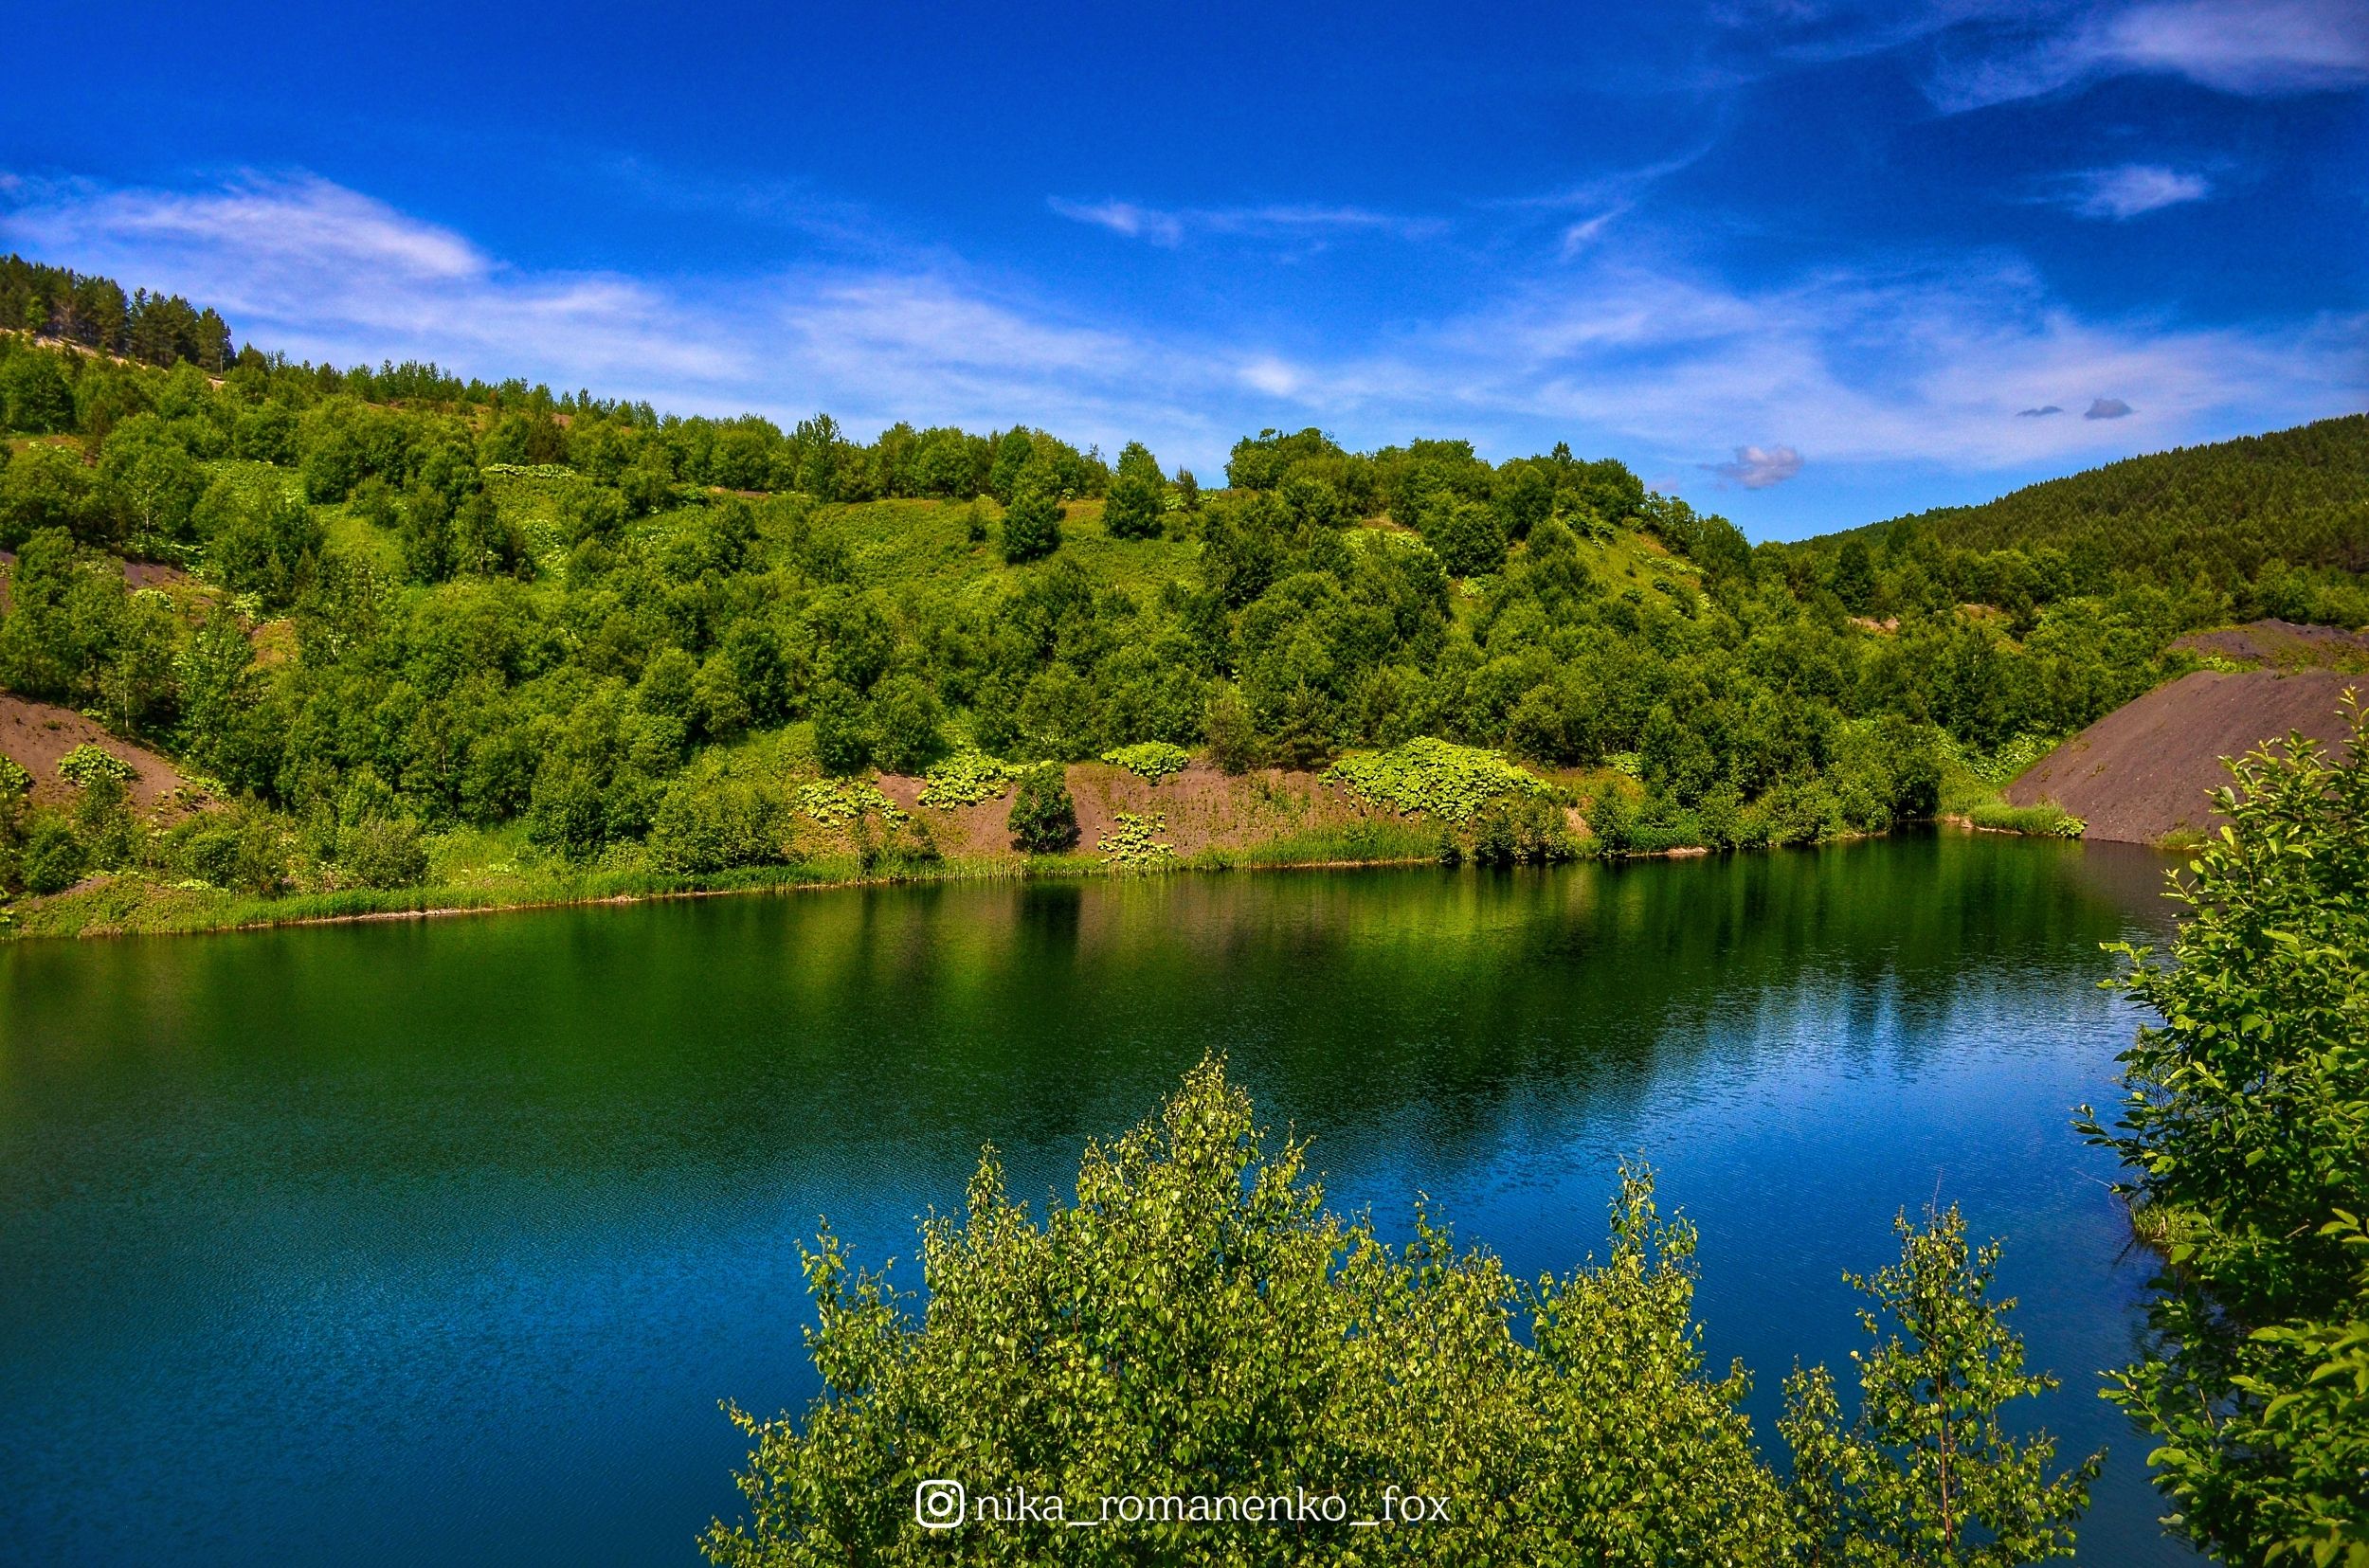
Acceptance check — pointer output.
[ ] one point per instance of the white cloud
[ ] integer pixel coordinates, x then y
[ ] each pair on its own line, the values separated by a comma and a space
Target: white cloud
320, 270
1758, 467
1666, 365
1925, 365
2256, 47
304, 266
2129, 190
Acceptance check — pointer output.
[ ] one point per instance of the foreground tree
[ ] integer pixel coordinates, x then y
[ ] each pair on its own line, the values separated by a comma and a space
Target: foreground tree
1928, 1472
1198, 1324
2246, 1136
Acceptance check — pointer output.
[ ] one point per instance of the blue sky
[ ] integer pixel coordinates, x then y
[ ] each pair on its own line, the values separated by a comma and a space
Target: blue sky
1805, 264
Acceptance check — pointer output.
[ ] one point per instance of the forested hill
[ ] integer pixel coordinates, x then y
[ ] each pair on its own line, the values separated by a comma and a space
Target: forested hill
2279, 523
399, 628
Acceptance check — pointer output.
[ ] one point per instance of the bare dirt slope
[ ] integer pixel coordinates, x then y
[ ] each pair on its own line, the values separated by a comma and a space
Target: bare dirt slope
2283, 645
2146, 768
1205, 808
36, 734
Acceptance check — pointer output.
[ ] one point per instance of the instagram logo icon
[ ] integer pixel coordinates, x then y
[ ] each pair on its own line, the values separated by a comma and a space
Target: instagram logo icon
938, 1504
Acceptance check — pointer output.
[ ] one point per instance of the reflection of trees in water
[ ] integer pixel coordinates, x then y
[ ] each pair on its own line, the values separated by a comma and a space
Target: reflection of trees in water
880, 1027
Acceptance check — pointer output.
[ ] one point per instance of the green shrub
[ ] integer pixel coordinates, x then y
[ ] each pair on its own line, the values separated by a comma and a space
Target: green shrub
244, 849
2002, 762
1928, 1472
963, 779
1441, 778
1135, 843
102, 820
710, 821
836, 802
14, 781
907, 719
842, 727
1520, 830
87, 763
1656, 826
1153, 759
383, 851
1198, 1323
2045, 821
2244, 1138
1031, 524
1043, 819
53, 858
1232, 735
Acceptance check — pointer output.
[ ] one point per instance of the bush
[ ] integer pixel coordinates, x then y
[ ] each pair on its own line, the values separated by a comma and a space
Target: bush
1928, 1472
87, 763
963, 779
1150, 760
1043, 819
52, 860
244, 849
709, 821
1135, 508
102, 820
1525, 830
383, 852
842, 727
1441, 778
1199, 1324
1031, 524
1135, 843
14, 781
906, 718
1232, 734
2244, 1139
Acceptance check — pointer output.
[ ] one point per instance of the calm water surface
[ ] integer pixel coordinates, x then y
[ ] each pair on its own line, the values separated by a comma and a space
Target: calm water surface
439, 1241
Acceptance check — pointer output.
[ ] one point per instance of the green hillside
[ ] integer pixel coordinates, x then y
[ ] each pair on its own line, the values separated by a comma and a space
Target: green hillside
2275, 524
415, 638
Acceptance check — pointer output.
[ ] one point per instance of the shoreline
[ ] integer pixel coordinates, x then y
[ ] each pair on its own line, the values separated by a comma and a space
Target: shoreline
445, 904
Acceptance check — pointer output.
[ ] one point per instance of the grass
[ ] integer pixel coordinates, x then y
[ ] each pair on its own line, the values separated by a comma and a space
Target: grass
2045, 821
924, 545
1372, 841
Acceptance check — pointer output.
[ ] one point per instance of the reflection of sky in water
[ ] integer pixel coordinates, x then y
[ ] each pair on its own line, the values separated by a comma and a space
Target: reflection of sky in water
444, 1238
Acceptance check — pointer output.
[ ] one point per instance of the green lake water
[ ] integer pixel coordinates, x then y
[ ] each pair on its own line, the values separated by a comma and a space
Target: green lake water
439, 1241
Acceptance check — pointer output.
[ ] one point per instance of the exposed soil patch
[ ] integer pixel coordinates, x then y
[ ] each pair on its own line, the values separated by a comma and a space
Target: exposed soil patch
1205, 808
35, 734
2283, 646
136, 575
2146, 768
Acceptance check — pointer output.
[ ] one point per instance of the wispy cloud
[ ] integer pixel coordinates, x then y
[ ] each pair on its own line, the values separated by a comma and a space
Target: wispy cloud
1171, 226
1947, 365
2127, 190
300, 263
319, 269
1929, 366
1603, 201
1126, 218
2255, 47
